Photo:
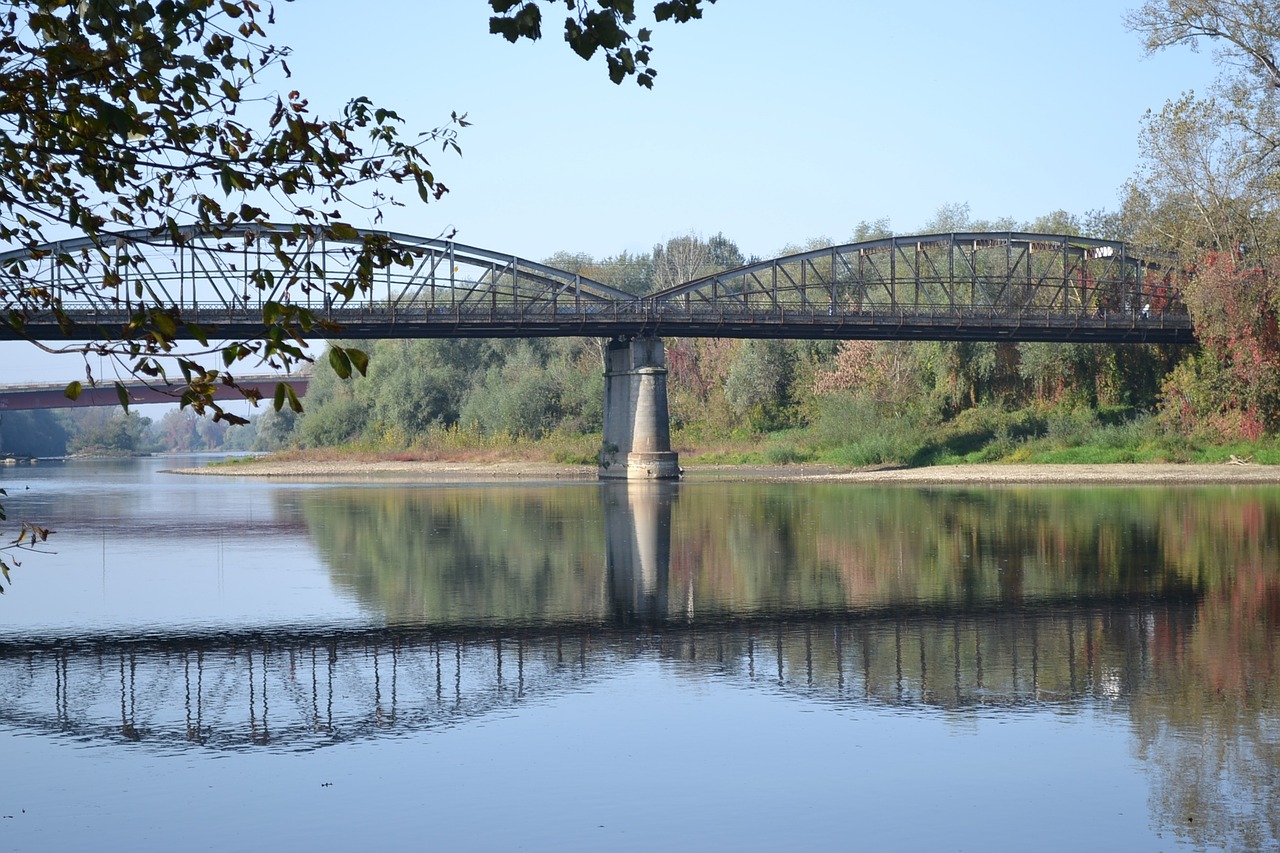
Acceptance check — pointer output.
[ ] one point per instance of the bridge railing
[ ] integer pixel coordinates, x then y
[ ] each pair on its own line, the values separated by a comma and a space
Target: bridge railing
403, 318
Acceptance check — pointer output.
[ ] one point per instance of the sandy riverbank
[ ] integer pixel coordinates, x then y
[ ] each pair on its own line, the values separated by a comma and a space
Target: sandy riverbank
450, 472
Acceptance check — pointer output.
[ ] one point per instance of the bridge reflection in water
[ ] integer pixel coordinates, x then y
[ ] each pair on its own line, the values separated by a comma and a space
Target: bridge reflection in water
309, 690
496, 596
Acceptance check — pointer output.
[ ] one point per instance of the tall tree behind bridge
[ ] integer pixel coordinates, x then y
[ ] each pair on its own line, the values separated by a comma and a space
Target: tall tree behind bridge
1209, 186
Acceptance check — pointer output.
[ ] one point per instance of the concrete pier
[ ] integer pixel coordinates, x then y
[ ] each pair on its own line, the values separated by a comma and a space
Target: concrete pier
637, 429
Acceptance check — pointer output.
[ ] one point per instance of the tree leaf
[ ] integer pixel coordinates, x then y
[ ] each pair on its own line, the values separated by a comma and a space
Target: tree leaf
340, 363
359, 360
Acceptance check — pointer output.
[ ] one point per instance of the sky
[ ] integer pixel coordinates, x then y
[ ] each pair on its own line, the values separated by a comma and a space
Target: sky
771, 123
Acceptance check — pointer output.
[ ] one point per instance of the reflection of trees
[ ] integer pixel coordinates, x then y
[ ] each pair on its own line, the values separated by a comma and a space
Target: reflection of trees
464, 556
1210, 717
491, 555
836, 547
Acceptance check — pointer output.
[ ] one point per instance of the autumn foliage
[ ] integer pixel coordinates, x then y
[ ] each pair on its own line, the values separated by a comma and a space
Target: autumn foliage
1232, 388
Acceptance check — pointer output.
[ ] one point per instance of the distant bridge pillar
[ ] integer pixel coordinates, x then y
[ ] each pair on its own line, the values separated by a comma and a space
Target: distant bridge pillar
637, 428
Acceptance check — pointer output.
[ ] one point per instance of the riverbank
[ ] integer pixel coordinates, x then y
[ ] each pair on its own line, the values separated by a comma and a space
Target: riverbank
993, 474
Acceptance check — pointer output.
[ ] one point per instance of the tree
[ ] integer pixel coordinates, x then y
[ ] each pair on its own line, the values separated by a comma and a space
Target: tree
109, 432
874, 230
1202, 184
1210, 188
1245, 33
139, 115
1215, 159
1232, 387
127, 116
680, 259
143, 117
35, 433
758, 384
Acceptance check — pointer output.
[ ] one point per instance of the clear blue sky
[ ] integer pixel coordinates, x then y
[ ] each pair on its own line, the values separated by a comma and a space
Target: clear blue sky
773, 123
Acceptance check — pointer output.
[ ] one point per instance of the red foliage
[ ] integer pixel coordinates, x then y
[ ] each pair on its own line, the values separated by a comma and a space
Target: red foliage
1233, 304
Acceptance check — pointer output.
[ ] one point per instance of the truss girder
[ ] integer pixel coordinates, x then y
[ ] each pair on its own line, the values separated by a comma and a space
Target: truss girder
937, 274
962, 286
240, 270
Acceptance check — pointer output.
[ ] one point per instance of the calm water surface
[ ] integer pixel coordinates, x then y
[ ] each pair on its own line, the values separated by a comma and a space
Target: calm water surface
240, 664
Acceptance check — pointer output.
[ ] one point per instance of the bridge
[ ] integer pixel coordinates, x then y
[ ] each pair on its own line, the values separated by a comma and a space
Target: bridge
53, 396
1004, 286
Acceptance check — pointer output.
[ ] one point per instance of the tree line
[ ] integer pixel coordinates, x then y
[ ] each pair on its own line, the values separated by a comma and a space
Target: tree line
819, 396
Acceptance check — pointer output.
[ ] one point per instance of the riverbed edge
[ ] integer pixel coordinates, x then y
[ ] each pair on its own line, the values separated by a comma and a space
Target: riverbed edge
993, 474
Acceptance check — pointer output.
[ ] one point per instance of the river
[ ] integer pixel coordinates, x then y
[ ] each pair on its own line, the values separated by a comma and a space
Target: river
230, 663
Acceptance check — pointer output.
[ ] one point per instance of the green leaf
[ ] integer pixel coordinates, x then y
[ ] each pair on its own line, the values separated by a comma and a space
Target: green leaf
72, 391
278, 402
122, 394
294, 402
343, 231
340, 363
359, 360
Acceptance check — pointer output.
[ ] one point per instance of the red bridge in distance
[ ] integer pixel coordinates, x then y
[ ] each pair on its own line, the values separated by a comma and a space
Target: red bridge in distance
53, 396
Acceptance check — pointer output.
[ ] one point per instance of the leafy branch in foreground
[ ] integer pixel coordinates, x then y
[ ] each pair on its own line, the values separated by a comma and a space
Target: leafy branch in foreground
604, 25
147, 118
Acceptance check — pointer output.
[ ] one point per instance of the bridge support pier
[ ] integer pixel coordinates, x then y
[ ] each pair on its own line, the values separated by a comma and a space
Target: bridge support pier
637, 429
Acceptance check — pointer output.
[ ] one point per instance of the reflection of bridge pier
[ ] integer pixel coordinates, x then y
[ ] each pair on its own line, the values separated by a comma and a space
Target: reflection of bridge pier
637, 522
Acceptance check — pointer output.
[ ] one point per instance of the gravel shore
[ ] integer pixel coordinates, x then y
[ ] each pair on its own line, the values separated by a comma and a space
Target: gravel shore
451, 472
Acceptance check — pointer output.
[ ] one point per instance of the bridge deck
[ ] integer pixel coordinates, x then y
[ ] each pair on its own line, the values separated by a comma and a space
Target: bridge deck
646, 317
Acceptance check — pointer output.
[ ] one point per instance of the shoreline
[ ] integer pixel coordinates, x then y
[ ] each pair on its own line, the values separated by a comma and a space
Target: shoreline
541, 472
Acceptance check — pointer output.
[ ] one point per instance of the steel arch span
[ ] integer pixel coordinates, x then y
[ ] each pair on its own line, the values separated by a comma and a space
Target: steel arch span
956, 286
436, 288
1004, 286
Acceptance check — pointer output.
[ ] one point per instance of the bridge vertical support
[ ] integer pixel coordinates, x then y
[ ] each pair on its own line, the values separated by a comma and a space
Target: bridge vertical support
637, 428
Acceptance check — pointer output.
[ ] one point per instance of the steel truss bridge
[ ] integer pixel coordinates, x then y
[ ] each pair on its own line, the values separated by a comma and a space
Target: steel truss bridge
298, 689
1005, 286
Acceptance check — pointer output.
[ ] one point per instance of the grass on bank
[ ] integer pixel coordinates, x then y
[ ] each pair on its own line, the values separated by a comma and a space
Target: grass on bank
453, 444
859, 439
847, 437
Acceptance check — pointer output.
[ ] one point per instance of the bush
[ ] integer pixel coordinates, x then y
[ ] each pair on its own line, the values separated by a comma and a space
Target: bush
338, 422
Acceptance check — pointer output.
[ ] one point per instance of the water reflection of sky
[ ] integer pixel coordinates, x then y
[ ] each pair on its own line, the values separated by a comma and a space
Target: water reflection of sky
136, 550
